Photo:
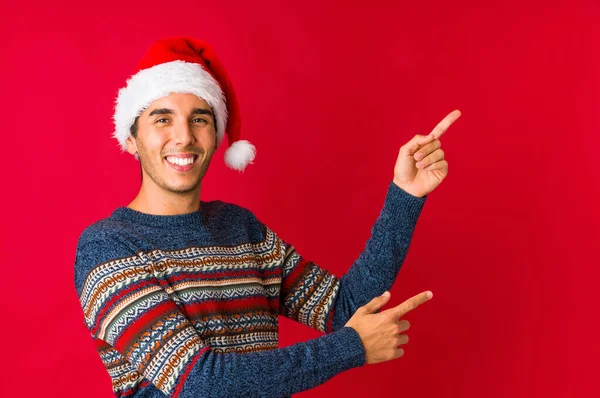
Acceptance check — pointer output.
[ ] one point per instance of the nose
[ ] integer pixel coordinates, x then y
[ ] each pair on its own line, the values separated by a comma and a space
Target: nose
182, 133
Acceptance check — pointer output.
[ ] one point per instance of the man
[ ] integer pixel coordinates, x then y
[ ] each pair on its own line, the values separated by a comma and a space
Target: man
182, 296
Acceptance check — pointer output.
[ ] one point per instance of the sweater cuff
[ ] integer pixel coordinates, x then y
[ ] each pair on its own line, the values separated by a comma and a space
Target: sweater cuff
350, 347
399, 203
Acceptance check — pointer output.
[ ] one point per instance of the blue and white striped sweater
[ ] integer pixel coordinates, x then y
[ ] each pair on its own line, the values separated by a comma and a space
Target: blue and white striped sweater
188, 305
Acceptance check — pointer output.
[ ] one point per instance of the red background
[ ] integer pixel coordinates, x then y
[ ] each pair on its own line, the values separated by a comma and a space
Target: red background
328, 95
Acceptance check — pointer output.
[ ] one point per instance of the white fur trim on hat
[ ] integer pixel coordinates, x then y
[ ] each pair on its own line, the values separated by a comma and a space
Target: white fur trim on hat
161, 80
239, 154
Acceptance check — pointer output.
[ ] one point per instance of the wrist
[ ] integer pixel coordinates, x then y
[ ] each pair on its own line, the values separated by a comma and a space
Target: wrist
407, 189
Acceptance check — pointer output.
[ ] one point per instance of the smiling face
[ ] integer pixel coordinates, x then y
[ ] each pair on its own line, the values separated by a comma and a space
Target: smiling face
175, 141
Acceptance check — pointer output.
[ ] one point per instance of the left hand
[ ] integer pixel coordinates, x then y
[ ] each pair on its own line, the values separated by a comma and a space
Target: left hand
421, 166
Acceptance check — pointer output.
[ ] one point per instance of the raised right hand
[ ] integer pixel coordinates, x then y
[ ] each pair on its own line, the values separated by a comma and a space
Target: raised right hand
380, 332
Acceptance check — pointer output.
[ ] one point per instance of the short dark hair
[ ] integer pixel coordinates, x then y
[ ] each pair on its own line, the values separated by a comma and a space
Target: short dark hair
134, 127
134, 130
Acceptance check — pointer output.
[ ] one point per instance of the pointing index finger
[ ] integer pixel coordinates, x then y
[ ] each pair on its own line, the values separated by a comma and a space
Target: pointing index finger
445, 123
410, 304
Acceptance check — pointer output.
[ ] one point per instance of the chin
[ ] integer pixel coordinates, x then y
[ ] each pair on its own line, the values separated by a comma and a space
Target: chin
183, 188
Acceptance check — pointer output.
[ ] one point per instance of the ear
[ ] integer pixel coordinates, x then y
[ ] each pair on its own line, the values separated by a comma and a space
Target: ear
131, 145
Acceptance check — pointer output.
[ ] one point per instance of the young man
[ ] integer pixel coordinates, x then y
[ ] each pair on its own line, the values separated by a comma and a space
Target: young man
182, 296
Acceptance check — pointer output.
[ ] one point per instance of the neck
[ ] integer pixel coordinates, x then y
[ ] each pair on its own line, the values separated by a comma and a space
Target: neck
158, 201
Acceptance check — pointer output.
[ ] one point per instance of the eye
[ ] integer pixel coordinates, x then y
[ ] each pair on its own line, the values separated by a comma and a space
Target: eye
201, 119
161, 120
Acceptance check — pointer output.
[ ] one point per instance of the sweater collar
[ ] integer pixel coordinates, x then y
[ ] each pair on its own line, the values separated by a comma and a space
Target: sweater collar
153, 220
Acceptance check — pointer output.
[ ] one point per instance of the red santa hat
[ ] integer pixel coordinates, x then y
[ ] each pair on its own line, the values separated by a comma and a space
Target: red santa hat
184, 65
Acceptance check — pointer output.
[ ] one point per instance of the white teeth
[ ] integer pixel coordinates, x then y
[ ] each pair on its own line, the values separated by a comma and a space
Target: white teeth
180, 161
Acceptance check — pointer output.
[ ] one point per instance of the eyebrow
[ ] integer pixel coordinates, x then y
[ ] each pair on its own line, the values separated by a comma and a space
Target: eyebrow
195, 111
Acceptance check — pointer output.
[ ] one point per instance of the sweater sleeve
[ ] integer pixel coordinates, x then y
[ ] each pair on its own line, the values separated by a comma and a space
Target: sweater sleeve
128, 307
318, 298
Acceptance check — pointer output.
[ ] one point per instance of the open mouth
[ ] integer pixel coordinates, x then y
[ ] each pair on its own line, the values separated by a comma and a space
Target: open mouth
182, 163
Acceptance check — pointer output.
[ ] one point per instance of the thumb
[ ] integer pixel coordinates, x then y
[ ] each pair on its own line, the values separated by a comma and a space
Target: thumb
377, 303
415, 144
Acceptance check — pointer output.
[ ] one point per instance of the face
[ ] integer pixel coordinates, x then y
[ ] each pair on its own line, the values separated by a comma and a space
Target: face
175, 142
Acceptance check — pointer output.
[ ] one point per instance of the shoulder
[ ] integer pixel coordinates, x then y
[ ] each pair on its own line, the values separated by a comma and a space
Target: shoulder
235, 217
100, 243
106, 232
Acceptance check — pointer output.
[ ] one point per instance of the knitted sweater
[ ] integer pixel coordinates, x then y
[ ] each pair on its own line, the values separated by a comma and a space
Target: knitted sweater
187, 305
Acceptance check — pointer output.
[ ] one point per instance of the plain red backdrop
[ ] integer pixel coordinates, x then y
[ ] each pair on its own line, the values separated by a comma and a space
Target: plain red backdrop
328, 93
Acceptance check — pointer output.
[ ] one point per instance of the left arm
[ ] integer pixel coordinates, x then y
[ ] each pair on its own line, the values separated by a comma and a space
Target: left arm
317, 298
378, 265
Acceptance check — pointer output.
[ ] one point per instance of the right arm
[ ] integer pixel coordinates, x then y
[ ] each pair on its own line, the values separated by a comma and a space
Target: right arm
126, 306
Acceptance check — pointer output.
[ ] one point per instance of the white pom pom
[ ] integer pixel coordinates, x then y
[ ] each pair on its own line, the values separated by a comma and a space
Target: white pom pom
239, 155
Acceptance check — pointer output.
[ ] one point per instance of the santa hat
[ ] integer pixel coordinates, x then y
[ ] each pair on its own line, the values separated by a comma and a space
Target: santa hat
184, 65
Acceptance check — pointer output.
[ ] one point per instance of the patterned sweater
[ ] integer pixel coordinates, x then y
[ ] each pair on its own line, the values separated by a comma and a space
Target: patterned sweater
187, 305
